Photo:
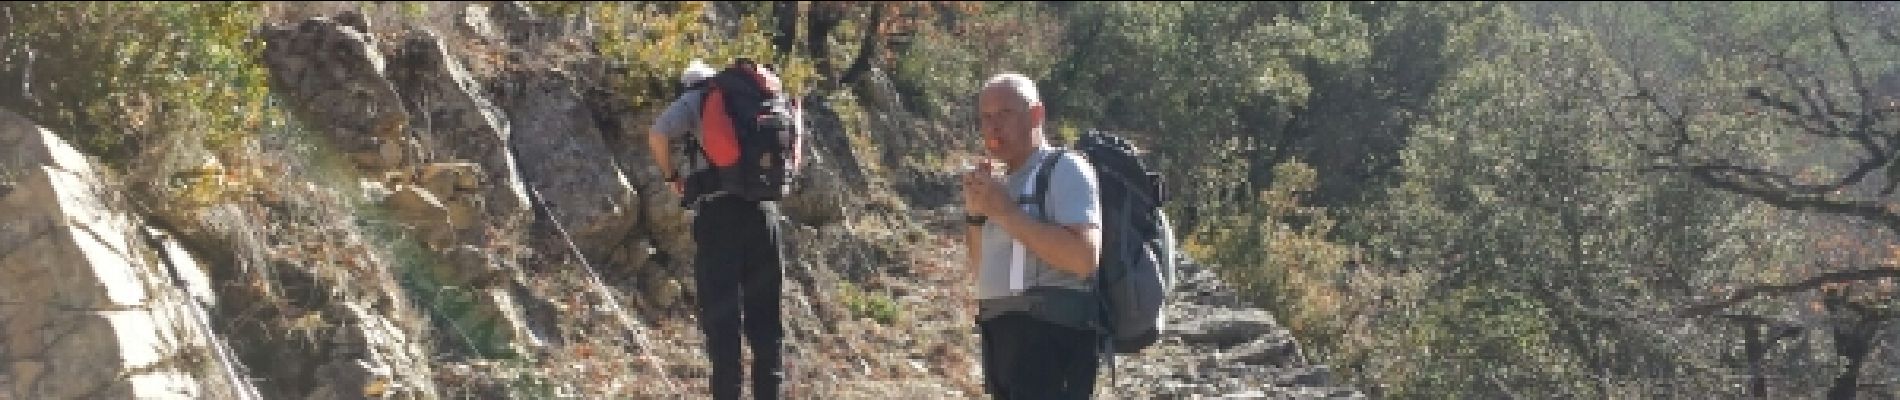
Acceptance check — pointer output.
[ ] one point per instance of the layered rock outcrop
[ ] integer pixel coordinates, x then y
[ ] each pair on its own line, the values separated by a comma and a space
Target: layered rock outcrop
93, 302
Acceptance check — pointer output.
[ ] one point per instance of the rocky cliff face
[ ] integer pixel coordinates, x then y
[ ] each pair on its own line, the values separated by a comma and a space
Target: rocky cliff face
498, 231
94, 303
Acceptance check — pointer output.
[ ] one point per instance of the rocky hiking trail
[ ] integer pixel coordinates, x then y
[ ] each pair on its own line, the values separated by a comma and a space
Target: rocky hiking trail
1216, 347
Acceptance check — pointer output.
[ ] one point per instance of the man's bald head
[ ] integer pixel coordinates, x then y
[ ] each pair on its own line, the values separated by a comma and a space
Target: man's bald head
1016, 86
1010, 114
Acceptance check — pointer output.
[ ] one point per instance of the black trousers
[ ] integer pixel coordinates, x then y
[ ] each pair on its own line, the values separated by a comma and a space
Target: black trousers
738, 274
1027, 358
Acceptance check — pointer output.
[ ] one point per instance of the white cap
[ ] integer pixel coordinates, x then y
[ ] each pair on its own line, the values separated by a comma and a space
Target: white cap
696, 71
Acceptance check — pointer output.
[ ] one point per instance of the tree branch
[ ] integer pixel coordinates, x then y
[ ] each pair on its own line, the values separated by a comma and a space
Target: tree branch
1678, 122
1822, 110
1775, 290
1775, 190
820, 19
1815, 113
785, 16
869, 48
1863, 132
1782, 327
1865, 125
1818, 118
1810, 123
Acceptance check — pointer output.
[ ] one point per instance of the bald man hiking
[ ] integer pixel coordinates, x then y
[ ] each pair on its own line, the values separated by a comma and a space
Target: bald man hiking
1034, 256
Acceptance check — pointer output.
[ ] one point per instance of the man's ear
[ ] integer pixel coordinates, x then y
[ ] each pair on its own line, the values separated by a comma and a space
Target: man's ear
1036, 114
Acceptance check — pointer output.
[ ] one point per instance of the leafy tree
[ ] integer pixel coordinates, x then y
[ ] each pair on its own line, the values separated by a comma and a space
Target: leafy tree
1192, 78
1501, 209
1280, 256
938, 69
136, 69
1336, 84
1804, 79
878, 24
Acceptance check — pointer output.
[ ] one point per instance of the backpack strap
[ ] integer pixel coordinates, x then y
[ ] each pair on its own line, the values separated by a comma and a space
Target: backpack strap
696, 159
1040, 195
694, 152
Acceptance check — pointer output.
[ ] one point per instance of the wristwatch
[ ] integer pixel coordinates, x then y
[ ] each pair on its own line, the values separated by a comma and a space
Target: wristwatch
672, 177
975, 219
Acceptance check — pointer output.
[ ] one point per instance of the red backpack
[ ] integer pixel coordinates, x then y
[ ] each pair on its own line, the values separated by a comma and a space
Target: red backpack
748, 131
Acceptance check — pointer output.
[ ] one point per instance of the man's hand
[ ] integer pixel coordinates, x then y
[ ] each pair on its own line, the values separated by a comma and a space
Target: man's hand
982, 193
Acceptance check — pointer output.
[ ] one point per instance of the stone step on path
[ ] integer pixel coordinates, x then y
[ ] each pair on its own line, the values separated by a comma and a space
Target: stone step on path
1220, 327
1217, 347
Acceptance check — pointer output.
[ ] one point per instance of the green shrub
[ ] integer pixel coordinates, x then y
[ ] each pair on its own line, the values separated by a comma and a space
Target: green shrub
876, 306
939, 72
1280, 257
113, 74
653, 41
172, 93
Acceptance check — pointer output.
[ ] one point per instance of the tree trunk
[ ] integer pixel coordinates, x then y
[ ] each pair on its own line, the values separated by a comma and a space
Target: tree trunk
1847, 385
13, 93
819, 22
785, 15
1752, 344
1854, 343
869, 48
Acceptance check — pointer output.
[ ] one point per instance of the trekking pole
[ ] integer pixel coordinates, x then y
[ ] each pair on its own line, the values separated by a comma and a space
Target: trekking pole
599, 286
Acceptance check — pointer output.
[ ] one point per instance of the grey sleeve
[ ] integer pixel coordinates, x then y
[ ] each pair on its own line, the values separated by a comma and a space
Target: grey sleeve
680, 118
1072, 193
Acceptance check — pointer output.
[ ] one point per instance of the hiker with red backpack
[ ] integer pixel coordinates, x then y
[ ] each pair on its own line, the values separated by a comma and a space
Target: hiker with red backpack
742, 134
1073, 256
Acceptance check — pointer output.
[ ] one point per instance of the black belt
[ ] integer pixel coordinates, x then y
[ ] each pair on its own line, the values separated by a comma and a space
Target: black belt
1075, 308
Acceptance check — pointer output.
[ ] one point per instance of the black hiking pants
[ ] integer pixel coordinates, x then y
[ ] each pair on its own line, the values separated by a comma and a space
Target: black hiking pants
1025, 358
737, 272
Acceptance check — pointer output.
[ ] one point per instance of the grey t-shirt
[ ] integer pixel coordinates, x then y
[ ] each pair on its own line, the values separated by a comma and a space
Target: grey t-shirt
680, 118
1071, 200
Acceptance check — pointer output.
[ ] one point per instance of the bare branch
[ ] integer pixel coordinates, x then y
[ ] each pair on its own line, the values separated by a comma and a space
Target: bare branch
1865, 124
1893, 175
1775, 290
1820, 110
1624, 122
1756, 177
1757, 94
1678, 122
1774, 189
1750, 319
1646, 169
1815, 112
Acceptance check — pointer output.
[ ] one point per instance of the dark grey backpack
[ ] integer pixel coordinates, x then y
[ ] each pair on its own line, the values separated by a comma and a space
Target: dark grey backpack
1138, 254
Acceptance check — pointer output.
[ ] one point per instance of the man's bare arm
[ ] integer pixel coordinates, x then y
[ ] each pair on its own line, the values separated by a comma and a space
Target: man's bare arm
1070, 248
973, 235
661, 149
